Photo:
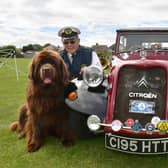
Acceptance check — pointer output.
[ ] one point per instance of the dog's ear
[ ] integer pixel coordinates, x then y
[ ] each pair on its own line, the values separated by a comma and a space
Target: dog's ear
65, 76
31, 71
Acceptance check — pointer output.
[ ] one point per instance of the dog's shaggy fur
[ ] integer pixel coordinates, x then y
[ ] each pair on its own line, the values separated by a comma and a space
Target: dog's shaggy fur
45, 112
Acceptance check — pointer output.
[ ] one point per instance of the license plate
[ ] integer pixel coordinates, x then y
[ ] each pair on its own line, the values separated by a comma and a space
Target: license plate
137, 146
139, 106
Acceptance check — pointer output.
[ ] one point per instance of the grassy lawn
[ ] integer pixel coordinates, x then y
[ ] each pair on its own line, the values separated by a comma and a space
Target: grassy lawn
85, 154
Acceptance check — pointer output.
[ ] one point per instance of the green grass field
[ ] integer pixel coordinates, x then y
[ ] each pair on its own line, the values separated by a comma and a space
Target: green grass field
85, 154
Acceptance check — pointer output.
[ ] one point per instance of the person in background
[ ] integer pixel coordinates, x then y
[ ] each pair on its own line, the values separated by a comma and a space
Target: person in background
76, 57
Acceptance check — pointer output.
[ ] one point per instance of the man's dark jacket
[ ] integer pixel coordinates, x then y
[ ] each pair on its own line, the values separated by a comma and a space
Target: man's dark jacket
83, 57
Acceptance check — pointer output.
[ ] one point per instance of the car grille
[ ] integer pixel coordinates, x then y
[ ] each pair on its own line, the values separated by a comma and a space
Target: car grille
141, 85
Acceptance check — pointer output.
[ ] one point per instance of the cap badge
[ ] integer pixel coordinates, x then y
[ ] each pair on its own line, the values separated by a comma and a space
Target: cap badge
68, 31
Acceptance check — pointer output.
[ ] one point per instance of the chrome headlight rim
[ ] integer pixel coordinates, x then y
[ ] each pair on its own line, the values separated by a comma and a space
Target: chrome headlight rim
93, 122
93, 76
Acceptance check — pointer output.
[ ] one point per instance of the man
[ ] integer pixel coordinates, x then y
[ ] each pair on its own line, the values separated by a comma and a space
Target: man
76, 56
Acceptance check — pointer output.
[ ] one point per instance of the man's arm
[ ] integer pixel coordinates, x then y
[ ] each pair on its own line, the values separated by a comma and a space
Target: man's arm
95, 61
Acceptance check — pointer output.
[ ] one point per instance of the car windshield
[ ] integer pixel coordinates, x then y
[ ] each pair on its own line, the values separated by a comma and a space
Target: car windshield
149, 41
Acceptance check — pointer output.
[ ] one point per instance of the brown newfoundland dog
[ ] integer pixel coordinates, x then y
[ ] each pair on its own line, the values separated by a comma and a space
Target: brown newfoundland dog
45, 112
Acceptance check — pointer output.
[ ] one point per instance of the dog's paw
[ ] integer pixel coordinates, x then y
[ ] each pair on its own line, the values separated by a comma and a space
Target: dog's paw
33, 146
21, 135
14, 126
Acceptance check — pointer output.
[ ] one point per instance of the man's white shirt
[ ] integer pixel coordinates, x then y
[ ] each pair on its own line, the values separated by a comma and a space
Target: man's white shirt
95, 60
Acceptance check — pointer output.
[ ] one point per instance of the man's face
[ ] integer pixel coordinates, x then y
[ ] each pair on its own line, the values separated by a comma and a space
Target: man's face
71, 45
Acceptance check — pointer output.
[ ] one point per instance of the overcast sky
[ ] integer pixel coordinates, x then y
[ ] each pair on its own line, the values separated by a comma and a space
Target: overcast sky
37, 21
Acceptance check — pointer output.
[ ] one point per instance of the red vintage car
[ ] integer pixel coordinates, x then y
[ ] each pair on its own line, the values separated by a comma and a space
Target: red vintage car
133, 109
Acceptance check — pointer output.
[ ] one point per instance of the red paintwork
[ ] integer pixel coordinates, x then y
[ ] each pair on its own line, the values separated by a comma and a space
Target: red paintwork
153, 59
113, 78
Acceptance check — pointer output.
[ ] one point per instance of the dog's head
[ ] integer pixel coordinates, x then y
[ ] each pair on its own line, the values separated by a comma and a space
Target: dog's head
48, 69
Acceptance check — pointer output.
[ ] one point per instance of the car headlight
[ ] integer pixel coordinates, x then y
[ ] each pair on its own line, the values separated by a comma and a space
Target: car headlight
93, 76
93, 122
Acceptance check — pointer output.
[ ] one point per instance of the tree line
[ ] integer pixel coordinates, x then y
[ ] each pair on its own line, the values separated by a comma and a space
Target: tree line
37, 47
19, 52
